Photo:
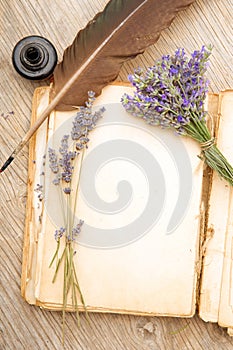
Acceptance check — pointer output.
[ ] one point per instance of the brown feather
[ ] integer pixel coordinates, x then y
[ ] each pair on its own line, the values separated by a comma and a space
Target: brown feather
122, 31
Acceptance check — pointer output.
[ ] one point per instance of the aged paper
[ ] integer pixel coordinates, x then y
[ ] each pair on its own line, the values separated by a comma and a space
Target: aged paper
149, 272
226, 143
216, 288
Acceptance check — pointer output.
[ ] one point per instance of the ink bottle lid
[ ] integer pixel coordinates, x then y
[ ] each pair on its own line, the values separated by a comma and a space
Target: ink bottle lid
34, 58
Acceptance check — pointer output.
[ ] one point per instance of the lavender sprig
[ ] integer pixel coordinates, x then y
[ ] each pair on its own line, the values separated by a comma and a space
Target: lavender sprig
171, 94
62, 165
75, 231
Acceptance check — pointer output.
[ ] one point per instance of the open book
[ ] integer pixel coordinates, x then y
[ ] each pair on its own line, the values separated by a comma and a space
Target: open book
158, 227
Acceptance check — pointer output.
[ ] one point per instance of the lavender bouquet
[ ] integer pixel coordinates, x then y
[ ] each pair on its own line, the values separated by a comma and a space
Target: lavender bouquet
171, 94
62, 165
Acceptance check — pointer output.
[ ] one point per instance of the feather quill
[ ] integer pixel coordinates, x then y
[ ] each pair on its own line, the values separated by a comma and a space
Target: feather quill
123, 30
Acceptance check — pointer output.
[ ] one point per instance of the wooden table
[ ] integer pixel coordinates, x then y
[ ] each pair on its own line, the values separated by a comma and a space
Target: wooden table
27, 327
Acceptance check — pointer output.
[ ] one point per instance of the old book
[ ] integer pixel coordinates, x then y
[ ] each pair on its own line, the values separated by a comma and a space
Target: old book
158, 227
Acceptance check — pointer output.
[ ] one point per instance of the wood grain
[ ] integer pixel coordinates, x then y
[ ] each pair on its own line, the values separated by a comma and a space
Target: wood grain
27, 327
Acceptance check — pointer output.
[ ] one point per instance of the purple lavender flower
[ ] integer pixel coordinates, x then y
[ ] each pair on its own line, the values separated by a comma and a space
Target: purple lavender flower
76, 231
84, 121
67, 190
171, 94
53, 162
7, 115
62, 164
39, 189
59, 233
166, 91
56, 180
65, 161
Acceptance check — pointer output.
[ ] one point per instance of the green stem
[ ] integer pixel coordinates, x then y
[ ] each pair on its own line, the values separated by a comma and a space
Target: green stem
56, 253
197, 129
76, 191
80, 292
70, 267
216, 160
213, 157
75, 303
61, 196
57, 266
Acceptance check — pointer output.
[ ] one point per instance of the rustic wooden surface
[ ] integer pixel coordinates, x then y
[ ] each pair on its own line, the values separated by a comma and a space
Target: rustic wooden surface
28, 327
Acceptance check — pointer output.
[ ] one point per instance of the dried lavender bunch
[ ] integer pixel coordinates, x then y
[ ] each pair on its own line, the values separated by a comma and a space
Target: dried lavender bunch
171, 94
62, 165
